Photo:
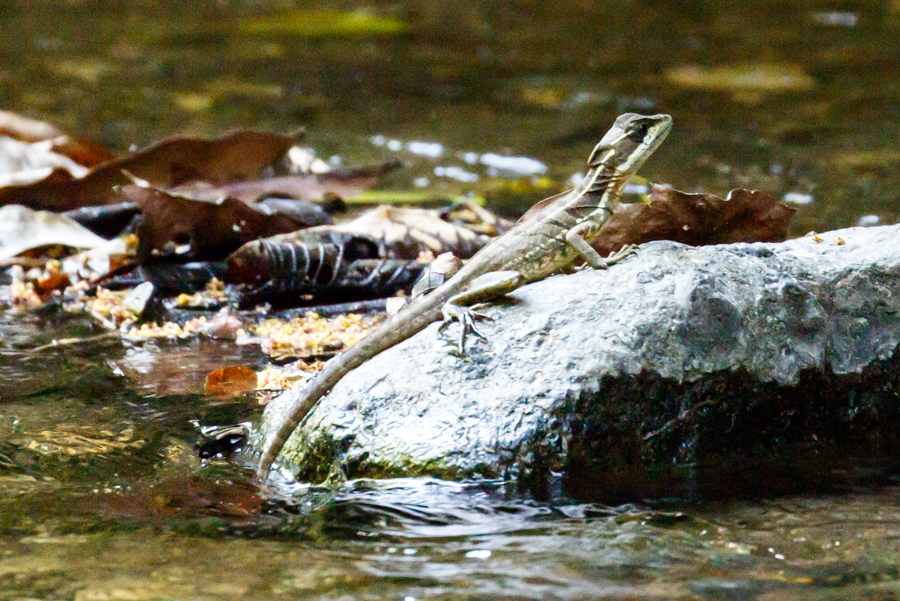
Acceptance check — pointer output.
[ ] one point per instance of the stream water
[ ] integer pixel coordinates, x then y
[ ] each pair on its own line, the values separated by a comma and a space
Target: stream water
102, 495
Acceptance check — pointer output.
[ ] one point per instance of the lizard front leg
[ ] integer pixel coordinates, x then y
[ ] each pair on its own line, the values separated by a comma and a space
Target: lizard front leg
576, 240
482, 289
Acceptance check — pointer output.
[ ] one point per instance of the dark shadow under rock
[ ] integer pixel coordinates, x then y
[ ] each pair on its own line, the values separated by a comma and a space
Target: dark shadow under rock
691, 373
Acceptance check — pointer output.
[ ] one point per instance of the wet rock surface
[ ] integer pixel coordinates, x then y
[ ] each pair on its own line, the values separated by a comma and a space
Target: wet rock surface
682, 372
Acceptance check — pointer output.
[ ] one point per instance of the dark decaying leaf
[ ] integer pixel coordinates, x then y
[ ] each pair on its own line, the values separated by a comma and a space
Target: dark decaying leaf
320, 266
370, 257
293, 284
313, 187
107, 221
83, 152
237, 156
212, 229
315, 255
696, 219
168, 279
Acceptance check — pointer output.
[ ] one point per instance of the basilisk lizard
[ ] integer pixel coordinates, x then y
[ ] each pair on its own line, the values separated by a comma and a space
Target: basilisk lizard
552, 236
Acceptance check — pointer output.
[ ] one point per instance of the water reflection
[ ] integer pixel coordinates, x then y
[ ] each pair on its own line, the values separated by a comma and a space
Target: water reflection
425, 538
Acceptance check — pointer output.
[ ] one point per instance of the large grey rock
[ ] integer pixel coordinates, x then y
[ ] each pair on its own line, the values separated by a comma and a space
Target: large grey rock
678, 372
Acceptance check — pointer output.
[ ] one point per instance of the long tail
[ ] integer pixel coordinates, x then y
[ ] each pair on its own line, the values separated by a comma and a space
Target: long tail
413, 319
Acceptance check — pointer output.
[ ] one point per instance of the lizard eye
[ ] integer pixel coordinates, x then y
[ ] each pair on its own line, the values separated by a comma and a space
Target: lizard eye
639, 132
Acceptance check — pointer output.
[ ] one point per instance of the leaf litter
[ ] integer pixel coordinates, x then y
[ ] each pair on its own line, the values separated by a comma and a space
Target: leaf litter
256, 208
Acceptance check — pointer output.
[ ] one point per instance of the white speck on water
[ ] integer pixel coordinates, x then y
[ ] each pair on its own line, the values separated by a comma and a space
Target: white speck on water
457, 173
514, 165
636, 189
377, 140
409, 551
835, 19
868, 220
420, 182
478, 554
798, 198
470, 157
580, 98
394, 145
426, 149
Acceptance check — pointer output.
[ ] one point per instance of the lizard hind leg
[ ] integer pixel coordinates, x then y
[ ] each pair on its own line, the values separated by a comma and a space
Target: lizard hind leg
482, 289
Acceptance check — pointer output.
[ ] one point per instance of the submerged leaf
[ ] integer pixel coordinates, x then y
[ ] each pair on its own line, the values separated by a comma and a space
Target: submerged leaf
231, 381
185, 496
325, 23
740, 78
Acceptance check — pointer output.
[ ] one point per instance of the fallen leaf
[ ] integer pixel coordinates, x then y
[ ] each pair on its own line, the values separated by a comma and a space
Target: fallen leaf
311, 187
83, 152
22, 229
237, 156
25, 129
231, 381
100, 260
23, 163
696, 219
203, 230
105, 220
408, 232
373, 256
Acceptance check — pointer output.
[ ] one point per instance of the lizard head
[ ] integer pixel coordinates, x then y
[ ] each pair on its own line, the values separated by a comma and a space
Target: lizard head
630, 141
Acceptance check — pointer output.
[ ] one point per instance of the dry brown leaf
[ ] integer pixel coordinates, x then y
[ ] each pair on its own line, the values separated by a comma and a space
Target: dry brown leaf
408, 232
212, 229
696, 219
312, 187
83, 152
237, 156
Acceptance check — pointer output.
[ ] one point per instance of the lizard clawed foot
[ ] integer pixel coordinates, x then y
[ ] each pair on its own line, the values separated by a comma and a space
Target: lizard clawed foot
466, 318
613, 258
625, 251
